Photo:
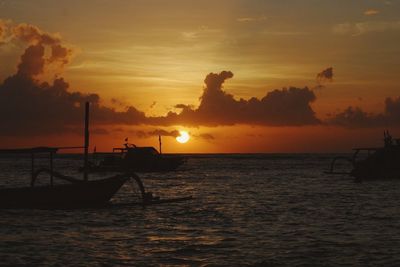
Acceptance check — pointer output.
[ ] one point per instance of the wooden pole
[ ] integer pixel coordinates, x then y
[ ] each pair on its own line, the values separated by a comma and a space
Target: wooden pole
159, 141
85, 167
32, 166
51, 169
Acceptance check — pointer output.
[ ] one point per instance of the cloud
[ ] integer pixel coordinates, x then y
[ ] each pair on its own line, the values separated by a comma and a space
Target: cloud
3, 29
206, 136
39, 41
361, 28
183, 106
32, 61
251, 19
200, 32
284, 107
371, 12
156, 132
325, 76
165, 133
355, 117
30, 107
44, 49
285, 33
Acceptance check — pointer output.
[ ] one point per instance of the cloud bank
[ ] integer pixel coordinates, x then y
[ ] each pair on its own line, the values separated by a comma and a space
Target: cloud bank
29, 106
355, 117
285, 107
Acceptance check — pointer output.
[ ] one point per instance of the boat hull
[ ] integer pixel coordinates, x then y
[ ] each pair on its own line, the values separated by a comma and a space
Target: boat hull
384, 164
366, 173
89, 194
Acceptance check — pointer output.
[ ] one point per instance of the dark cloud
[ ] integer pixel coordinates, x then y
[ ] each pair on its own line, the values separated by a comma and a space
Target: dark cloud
52, 107
280, 107
207, 136
183, 106
60, 54
325, 76
355, 117
38, 41
119, 103
156, 132
30, 107
45, 108
32, 61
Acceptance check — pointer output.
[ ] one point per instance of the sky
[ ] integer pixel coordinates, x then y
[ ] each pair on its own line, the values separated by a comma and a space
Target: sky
241, 76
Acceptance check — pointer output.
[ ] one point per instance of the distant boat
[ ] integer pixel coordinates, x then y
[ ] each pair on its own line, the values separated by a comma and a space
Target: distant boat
379, 164
137, 159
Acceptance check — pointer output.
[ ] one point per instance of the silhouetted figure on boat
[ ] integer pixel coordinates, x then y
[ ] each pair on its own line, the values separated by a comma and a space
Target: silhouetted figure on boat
387, 138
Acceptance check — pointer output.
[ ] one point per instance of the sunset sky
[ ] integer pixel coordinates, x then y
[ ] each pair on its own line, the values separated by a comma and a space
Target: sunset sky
239, 76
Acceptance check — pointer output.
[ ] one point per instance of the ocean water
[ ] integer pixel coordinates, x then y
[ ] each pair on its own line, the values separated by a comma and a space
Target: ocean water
247, 210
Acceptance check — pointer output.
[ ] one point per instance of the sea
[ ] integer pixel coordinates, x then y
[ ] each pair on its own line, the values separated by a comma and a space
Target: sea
247, 210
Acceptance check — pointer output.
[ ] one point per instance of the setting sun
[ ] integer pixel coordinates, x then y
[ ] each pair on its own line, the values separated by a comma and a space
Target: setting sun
183, 137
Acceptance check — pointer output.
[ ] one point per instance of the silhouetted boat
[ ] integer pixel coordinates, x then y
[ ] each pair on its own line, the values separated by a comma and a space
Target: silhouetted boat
73, 193
379, 164
137, 159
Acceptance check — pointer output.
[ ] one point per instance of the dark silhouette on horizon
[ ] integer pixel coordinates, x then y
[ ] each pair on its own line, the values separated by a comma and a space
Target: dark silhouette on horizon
380, 163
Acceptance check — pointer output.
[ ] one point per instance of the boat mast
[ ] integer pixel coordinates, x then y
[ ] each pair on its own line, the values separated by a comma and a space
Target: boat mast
85, 167
159, 141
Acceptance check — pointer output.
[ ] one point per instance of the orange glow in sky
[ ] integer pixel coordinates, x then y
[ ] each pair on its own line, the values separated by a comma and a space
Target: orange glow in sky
237, 75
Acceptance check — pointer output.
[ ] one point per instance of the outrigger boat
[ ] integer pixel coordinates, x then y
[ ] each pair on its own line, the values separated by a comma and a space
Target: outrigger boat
73, 193
379, 164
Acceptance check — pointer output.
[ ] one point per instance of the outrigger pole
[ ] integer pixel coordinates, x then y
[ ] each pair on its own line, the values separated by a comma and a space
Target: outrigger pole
85, 167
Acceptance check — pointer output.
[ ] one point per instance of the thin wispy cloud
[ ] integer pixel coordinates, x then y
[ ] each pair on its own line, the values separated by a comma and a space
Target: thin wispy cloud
371, 12
202, 31
251, 19
286, 33
361, 28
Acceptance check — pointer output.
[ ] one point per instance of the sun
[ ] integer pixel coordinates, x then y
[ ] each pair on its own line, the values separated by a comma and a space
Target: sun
183, 137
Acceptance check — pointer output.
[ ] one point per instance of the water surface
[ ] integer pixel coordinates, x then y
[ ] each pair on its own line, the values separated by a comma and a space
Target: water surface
252, 209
